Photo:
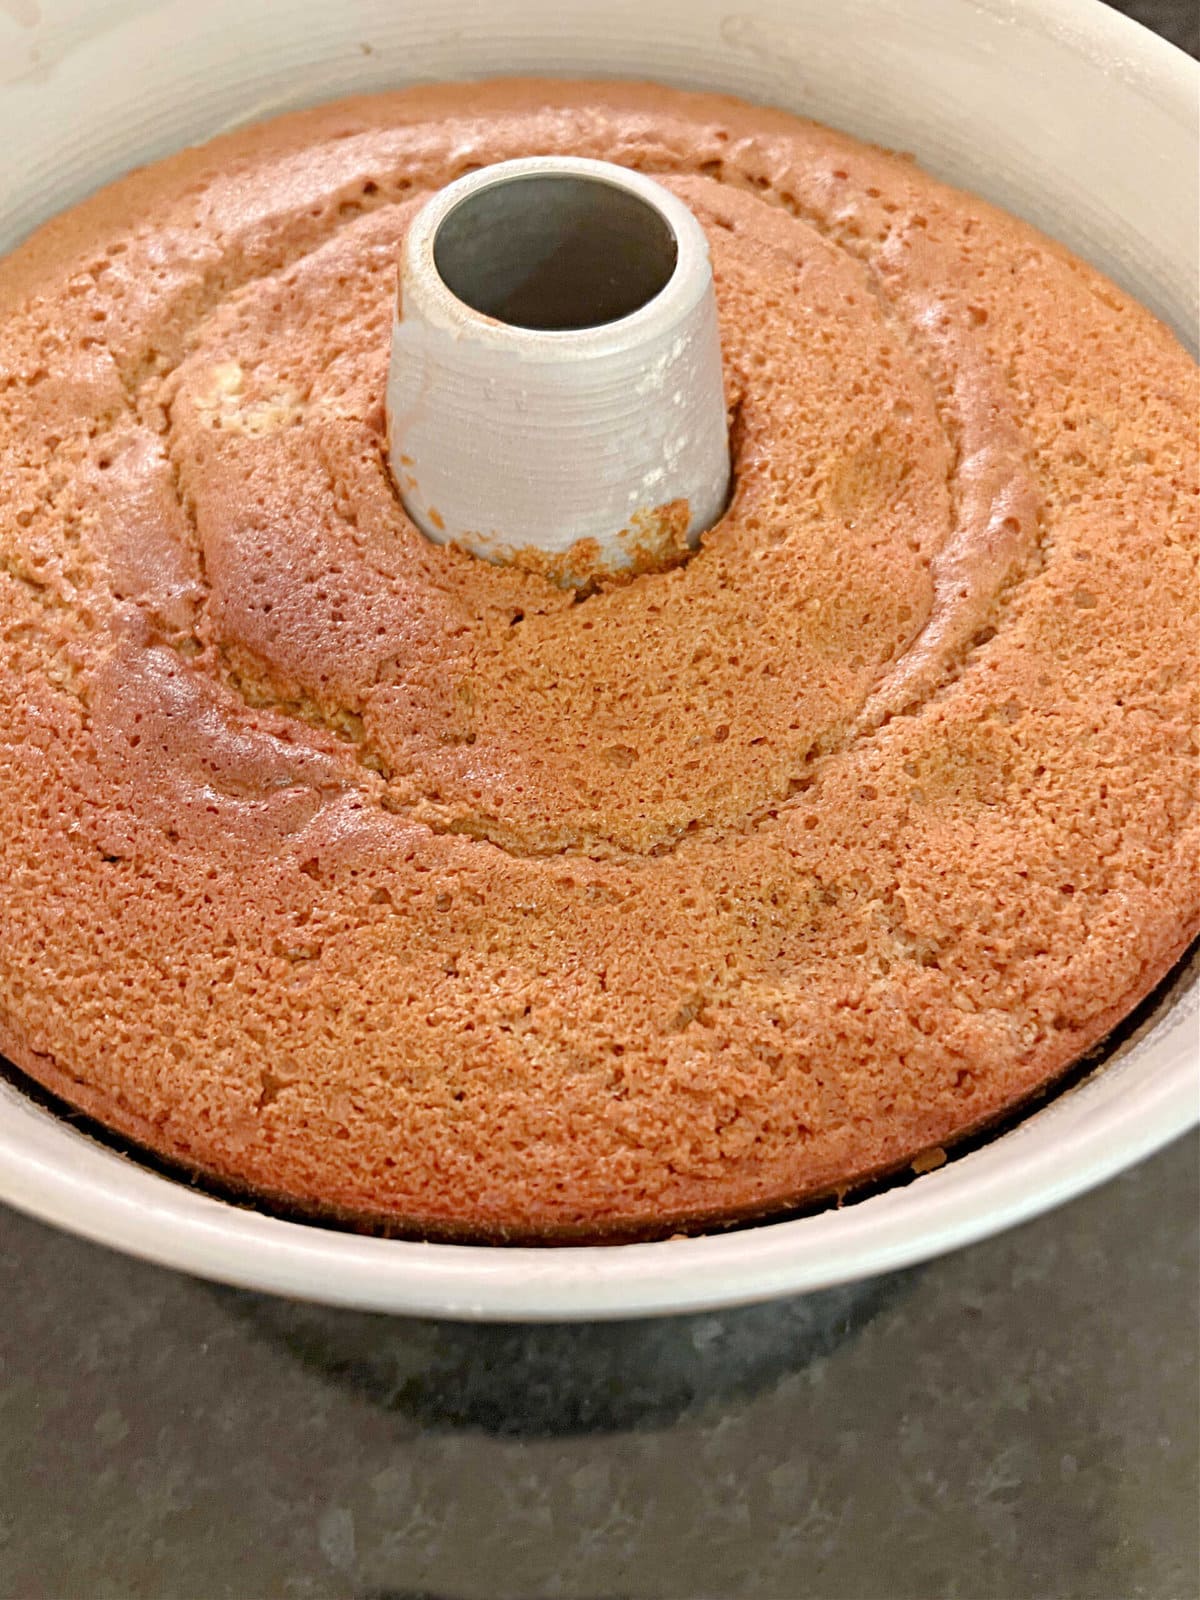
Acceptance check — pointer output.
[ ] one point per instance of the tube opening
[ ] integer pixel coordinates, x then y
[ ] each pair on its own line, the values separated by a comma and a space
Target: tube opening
556, 252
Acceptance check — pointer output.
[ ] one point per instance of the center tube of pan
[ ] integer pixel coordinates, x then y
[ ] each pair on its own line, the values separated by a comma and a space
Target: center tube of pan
555, 395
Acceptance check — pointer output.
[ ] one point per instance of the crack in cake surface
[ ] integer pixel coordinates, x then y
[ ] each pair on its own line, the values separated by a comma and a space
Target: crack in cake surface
474, 821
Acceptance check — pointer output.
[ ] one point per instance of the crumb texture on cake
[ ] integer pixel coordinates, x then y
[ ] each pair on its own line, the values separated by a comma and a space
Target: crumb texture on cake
367, 875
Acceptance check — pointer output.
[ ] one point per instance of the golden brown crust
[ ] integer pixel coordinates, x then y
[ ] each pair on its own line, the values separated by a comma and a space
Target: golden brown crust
363, 874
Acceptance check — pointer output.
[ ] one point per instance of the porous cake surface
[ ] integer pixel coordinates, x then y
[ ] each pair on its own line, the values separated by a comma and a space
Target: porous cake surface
365, 875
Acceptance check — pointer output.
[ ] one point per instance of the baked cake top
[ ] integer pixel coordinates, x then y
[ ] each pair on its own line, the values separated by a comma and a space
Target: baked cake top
370, 876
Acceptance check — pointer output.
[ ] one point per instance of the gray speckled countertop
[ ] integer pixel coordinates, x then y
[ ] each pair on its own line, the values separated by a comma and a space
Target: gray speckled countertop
1016, 1420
